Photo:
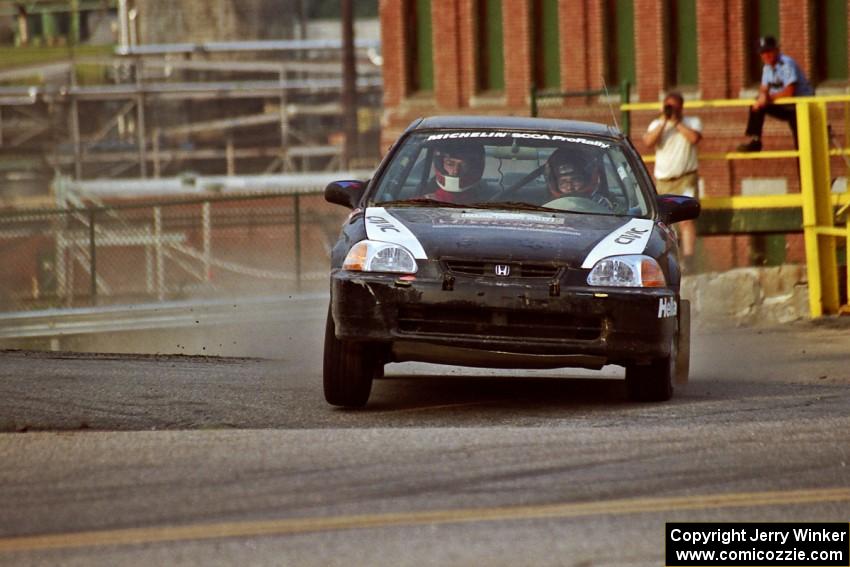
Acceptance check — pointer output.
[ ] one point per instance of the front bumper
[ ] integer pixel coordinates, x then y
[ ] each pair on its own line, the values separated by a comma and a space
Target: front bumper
509, 323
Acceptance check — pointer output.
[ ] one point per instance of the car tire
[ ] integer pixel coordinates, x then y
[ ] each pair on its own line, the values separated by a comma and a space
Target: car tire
652, 382
683, 347
349, 369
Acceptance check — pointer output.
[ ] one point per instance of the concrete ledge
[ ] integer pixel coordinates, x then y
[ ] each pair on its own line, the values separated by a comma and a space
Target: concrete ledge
748, 296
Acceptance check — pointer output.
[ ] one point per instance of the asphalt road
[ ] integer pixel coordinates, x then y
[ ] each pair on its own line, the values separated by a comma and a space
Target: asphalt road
204, 460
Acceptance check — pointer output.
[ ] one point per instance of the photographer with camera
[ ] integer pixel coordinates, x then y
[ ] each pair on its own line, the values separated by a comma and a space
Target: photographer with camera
675, 138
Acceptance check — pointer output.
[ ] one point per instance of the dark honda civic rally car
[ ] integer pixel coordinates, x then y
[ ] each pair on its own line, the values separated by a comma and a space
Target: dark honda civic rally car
509, 243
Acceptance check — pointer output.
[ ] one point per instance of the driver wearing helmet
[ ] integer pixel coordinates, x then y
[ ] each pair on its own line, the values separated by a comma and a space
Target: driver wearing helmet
458, 166
570, 174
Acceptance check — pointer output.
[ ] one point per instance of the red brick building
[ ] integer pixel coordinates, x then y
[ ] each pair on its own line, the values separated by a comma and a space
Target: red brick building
485, 56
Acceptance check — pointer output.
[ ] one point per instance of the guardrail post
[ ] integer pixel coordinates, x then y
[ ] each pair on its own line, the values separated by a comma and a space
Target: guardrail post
160, 259
61, 266
296, 206
625, 115
821, 263
206, 228
75, 138
141, 135
149, 269
93, 255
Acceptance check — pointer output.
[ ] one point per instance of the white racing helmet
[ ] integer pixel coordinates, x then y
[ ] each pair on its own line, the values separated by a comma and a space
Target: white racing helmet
466, 172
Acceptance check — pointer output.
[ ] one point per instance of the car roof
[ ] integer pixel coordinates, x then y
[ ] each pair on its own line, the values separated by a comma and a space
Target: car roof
517, 123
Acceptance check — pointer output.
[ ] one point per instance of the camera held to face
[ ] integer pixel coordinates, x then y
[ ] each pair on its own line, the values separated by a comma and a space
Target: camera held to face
668, 110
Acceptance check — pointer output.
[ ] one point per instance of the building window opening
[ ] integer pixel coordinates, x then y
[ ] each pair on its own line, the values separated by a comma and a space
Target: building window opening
619, 30
491, 63
681, 26
420, 50
546, 37
830, 40
761, 19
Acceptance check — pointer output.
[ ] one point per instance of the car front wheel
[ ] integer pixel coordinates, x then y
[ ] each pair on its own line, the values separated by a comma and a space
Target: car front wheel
652, 382
349, 368
683, 347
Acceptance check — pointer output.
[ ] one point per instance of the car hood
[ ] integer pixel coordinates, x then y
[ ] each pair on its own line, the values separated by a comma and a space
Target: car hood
508, 235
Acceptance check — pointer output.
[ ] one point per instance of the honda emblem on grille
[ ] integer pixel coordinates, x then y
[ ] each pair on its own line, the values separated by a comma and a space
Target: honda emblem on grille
502, 269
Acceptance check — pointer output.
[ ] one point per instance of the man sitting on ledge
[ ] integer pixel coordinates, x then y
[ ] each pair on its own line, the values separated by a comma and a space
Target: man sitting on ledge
781, 77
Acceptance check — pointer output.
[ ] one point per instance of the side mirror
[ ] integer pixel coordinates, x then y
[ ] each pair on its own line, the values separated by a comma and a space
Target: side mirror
676, 208
345, 193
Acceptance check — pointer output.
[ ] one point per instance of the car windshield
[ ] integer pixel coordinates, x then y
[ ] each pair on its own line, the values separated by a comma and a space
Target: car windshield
513, 170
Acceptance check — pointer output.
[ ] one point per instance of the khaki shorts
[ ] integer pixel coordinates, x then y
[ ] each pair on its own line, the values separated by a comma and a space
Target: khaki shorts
685, 185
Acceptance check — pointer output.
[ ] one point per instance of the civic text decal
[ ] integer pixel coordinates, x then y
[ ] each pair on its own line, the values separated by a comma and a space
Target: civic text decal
631, 238
381, 225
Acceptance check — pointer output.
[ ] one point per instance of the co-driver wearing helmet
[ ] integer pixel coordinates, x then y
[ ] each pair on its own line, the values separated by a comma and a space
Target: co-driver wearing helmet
458, 167
569, 175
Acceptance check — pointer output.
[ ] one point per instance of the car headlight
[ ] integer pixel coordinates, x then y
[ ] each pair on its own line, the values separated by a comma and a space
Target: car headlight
627, 271
374, 256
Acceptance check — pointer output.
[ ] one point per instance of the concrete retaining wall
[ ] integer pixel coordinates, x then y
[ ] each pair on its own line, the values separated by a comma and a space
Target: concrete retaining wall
748, 296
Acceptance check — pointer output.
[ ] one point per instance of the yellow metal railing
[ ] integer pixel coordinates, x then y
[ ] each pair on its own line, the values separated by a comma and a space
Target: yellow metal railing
817, 202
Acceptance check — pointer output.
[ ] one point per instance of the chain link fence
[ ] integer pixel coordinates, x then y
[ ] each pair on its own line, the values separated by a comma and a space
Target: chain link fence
167, 250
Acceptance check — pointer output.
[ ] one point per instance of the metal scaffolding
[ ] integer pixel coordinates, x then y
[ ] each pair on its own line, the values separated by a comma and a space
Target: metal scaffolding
165, 110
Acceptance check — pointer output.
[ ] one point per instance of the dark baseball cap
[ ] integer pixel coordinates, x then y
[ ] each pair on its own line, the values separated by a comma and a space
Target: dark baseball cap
767, 43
